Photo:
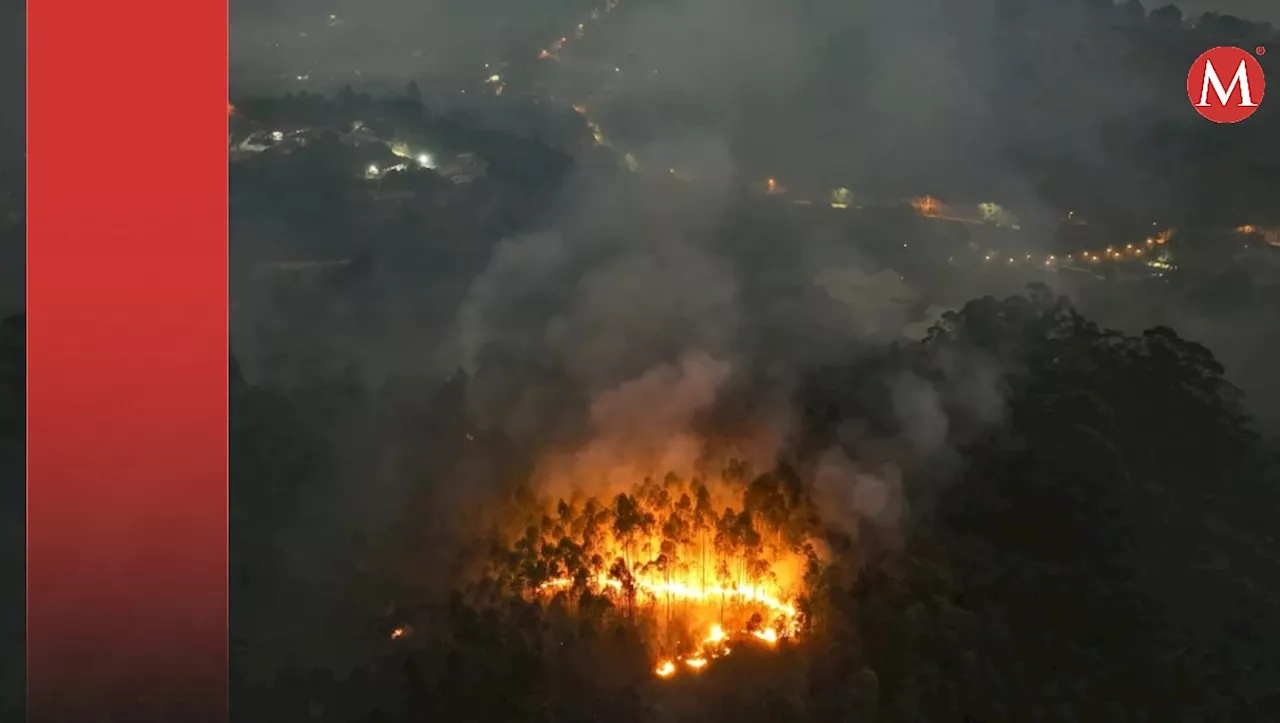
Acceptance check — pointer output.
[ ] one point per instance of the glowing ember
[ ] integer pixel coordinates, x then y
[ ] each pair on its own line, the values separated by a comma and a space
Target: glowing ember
665, 669
696, 663
398, 633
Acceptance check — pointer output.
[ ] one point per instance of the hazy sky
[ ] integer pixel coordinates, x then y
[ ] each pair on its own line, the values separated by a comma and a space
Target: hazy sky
1257, 10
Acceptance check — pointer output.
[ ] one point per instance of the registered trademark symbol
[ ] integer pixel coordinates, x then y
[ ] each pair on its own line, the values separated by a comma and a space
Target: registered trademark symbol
1260, 50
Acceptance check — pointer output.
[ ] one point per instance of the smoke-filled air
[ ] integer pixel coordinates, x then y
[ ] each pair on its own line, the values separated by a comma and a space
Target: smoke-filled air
656, 361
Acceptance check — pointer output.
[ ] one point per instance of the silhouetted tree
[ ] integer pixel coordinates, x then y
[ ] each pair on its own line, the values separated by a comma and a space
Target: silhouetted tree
1167, 17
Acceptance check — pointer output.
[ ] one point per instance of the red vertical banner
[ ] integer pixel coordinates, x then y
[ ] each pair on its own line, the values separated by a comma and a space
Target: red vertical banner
127, 361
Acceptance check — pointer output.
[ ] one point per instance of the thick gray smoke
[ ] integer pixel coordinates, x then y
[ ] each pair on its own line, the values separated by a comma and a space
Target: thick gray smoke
650, 317
618, 294
632, 312
890, 95
642, 427
863, 476
847, 491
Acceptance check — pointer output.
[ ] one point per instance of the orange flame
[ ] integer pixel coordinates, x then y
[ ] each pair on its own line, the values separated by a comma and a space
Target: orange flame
927, 206
768, 635
715, 636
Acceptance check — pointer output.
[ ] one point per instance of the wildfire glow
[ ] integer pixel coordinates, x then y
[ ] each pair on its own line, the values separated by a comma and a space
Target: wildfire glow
740, 594
754, 603
713, 646
769, 635
701, 565
715, 636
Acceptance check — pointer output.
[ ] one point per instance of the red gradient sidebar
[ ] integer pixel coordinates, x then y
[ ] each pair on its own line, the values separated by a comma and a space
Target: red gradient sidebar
127, 361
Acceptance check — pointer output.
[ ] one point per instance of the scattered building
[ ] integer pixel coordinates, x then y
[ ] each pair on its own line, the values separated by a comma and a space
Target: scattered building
994, 213
841, 198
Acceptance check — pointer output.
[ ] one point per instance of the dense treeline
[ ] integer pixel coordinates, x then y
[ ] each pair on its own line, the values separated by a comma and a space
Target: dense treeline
1100, 552
661, 532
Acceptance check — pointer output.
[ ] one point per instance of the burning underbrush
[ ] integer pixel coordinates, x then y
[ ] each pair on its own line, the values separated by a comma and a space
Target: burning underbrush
698, 566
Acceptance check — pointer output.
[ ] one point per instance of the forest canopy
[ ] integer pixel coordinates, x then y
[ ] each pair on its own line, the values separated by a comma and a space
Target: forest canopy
1059, 555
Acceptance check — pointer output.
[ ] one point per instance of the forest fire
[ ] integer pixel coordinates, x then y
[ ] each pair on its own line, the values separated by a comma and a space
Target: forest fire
661, 559
742, 594
783, 616
714, 646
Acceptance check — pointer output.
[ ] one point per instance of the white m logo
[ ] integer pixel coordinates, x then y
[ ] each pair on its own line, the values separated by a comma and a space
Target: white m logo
1241, 78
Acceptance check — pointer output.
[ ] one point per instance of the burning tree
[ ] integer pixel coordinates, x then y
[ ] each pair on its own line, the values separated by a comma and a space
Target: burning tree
659, 557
